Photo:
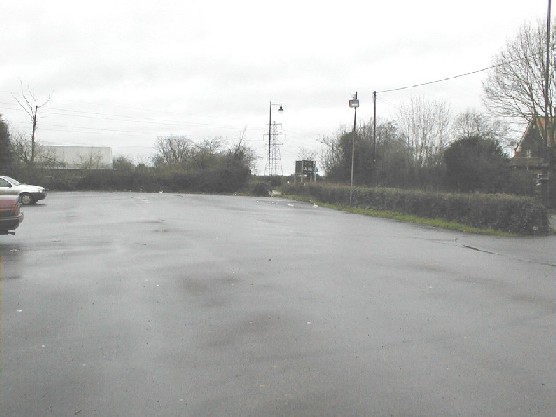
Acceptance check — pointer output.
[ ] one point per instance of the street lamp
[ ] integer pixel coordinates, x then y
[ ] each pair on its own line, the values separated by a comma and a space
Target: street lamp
270, 133
353, 103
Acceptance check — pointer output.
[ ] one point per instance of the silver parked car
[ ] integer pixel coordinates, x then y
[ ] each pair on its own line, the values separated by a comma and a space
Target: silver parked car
28, 194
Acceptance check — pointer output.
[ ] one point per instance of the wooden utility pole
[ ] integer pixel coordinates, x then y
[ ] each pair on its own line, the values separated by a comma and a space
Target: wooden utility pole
548, 130
374, 140
34, 117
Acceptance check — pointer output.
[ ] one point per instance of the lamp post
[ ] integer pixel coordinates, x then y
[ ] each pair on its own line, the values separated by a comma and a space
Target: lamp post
270, 134
353, 103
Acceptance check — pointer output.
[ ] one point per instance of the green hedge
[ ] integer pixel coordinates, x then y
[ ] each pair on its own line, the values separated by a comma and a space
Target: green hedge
521, 215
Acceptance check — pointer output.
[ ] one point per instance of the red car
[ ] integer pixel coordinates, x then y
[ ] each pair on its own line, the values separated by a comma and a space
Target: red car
10, 214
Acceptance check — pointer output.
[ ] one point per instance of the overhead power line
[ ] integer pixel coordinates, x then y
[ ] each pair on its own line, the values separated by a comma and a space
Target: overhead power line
453, 77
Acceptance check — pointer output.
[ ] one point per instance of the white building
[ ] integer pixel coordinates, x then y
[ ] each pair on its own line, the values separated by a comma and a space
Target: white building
78, 157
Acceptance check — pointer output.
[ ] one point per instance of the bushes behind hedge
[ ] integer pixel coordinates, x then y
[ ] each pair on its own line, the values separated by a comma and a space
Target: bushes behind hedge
221, 180
520, 215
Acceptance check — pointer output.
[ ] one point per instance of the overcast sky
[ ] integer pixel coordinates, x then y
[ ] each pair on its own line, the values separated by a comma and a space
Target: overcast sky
122, 72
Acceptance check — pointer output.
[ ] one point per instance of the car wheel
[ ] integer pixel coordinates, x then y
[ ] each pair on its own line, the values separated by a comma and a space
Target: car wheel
26, 199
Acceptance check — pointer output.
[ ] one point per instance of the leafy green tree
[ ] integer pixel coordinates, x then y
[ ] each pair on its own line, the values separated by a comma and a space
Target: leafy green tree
5, 147
332, 157
336, 157
241, 155
393, 156
386, 164
475, 163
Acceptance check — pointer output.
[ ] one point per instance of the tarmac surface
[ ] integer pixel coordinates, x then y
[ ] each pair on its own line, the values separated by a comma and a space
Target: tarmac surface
126, 304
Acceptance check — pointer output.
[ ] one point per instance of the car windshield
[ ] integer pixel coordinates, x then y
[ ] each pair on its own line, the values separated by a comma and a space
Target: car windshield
14, 182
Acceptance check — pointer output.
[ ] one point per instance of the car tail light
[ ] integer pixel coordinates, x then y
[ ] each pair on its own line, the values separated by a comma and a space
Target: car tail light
15, 209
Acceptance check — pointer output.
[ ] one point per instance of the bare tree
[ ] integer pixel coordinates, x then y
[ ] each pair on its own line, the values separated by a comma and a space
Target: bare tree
306, 154
426, 125
30, 104
93, 160
21, 151
333, 153
515, 87
172, 150
243, 153
21, 148
205, 154
47, 157
472, 123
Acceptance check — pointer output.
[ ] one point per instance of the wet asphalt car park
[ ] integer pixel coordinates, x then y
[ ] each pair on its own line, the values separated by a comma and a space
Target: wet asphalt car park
127, 304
